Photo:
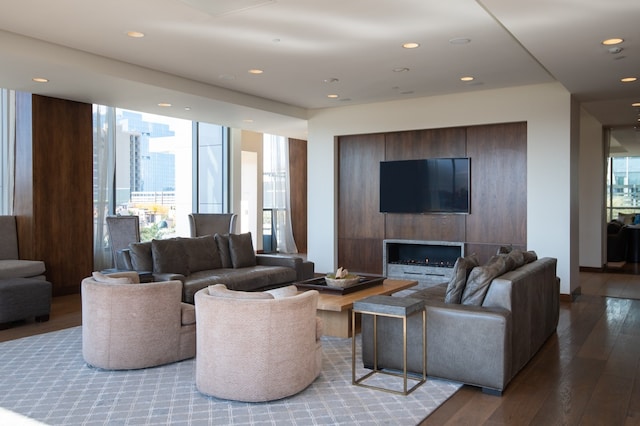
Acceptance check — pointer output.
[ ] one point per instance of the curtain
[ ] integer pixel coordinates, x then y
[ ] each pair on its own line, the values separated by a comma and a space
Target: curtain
277, 148
104, 126
7, 149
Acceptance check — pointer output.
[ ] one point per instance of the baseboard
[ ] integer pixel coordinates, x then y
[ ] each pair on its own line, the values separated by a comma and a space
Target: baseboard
592, 268
570, 298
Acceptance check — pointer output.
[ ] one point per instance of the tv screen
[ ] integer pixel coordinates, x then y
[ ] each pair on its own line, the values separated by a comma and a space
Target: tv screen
434, 185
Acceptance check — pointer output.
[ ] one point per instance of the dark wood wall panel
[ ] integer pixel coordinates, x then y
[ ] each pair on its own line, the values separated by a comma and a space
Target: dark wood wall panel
360, 255
298, 180
498, 184
358, 187
56, 213
498, 192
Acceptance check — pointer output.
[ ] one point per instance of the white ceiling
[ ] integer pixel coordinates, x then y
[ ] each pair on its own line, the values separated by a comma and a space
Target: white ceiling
197, 53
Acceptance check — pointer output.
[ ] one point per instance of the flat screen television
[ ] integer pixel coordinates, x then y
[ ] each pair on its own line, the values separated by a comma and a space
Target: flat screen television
433, 185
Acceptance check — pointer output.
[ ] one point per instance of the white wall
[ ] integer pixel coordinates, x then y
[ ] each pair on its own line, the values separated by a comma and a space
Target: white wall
592, 193
551, 160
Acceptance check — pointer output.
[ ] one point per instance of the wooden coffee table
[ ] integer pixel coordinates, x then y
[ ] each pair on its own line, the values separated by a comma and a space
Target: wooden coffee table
335, 309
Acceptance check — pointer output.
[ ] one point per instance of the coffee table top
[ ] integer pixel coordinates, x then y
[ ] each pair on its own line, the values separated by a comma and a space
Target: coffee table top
340, 302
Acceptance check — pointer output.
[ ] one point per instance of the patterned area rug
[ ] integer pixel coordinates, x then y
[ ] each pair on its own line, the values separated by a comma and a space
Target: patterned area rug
45, 378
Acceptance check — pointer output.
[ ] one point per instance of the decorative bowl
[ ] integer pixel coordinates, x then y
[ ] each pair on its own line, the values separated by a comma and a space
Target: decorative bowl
349, 280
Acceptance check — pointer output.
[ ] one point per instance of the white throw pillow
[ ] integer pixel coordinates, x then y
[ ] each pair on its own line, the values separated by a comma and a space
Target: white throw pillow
106, 279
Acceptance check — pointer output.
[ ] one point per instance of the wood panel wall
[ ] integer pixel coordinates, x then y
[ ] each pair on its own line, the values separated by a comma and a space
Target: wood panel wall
298, 186
54, 187
498, 192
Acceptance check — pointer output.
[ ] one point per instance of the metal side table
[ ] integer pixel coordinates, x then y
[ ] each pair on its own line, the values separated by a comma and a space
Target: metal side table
395, 307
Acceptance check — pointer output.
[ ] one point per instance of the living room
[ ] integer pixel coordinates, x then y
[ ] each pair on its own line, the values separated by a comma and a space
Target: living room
565, 218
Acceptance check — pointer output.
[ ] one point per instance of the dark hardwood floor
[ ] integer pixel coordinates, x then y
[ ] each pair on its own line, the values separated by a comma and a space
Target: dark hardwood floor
588, 373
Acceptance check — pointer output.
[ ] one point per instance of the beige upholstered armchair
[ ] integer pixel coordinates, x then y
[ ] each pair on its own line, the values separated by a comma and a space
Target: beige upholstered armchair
254, 347
128, 325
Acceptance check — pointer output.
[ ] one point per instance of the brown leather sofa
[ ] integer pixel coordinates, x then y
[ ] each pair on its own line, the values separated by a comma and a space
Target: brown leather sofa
484, 345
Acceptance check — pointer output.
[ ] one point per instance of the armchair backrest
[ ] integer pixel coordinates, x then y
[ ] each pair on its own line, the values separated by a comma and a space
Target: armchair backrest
122, 230
212, 223
8, 238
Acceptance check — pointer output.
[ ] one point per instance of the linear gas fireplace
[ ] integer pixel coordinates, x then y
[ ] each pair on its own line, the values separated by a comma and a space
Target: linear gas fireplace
426, 261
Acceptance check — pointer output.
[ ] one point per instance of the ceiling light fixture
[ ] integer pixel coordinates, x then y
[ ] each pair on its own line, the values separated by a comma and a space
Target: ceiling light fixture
187, 108
247, 120
403, 69
628, 79
612, 41
635, 104
40, 79
333, 96
135, 34
410, 45
255, 71
467, 78
164, 104
330, 80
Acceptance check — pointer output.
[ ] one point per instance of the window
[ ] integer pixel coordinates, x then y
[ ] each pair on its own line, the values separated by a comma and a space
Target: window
623, 186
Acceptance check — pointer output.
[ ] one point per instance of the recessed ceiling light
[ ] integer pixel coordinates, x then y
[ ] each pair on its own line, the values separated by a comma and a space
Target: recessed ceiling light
460, 40
187, 108
403, 69
135, 34
333, 96
467, 78
635, 104
628, 79
247, 120
410, 45
164, 104
255, 71
330, 80
612, 41
40, 80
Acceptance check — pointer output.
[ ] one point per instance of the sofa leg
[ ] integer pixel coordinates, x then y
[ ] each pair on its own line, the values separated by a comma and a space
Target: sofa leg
42, 318
492, 392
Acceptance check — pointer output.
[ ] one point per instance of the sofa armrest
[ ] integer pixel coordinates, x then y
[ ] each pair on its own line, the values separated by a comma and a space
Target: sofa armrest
293, 262
168, 276
469, 344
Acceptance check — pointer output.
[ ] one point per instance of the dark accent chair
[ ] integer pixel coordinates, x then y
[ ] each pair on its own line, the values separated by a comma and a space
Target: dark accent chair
123, 230
617, 241
202, 224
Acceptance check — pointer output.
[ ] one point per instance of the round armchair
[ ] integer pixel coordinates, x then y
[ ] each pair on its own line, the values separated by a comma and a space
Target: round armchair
253, 347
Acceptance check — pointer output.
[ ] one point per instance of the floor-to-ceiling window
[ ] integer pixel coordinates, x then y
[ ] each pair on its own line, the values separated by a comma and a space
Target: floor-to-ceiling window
158, 168
623, 186
7, 139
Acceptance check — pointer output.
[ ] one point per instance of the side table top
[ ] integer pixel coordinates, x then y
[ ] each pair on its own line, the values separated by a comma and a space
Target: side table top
389, 305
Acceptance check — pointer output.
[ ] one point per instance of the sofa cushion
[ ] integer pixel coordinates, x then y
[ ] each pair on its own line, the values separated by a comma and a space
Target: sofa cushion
461, 271
141, 258
187, 314
241, 250
480, 278
221, 290
202, 253
222, 240
105, 279
518, 258
18, 268
169, 257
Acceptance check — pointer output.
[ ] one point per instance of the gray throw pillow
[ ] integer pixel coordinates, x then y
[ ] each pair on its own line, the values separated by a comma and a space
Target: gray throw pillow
241, 250
480, 278
461, 271
222, 240
141, 259
518, 258
169, 257
202, 253
530, 256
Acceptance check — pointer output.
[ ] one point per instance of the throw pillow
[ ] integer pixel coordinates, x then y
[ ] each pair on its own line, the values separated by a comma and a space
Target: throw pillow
241, 250
479, 280
504, 250
223, 248
282, 292
202, 253
141, 258
221, 290
518, 258
461, 270
169, 257
106, 279
529, 256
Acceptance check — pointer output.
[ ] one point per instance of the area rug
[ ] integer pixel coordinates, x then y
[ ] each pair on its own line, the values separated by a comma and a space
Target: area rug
45, 378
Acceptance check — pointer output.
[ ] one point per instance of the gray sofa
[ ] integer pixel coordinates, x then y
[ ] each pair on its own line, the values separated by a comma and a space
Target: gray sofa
486, 339
228, 259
